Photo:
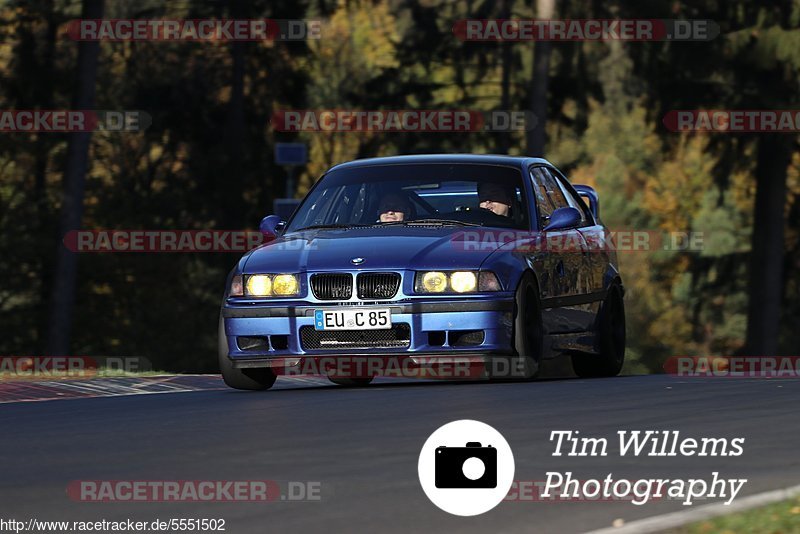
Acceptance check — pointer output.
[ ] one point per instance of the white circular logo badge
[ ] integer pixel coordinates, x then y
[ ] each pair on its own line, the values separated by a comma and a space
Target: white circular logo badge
466, 467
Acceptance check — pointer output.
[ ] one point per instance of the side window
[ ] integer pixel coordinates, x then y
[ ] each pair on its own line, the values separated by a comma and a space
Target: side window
554, 191
543, 203
575, 202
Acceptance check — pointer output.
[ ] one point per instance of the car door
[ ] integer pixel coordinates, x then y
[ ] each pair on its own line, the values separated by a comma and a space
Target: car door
564, 265
600, 254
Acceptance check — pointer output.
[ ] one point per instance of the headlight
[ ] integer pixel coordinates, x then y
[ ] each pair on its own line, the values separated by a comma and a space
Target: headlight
285, 285
267, 285
434, 282
456, 282
463, 281
259, 285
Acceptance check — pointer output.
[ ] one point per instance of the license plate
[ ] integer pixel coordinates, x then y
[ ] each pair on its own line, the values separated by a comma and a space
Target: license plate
364, 319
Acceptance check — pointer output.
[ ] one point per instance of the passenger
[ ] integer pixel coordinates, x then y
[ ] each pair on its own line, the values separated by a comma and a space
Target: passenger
495, 198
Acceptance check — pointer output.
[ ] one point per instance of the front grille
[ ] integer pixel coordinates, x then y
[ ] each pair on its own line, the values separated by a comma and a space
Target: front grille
377, 285
332, 286
398, 336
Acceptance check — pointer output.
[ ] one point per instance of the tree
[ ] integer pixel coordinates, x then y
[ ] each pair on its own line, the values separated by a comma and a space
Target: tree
66, 271
766, 280
767, 61
536, 138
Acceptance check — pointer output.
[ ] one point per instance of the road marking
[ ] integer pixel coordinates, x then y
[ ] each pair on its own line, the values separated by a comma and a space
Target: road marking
701, 513
45, 390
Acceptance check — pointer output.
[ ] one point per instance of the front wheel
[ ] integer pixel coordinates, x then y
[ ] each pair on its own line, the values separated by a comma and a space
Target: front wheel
252, 379
610, 340
527, 333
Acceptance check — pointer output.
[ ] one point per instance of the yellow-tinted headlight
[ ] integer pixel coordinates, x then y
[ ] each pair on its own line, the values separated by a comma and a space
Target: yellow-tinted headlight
434, 282
463, 281
285, 284
259, 285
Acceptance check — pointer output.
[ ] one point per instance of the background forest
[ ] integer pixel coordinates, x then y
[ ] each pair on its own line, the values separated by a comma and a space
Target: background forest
207, 162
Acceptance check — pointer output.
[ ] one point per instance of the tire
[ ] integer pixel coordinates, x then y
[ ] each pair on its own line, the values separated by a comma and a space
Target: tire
528, 333
351, 382
610, 340
251, 379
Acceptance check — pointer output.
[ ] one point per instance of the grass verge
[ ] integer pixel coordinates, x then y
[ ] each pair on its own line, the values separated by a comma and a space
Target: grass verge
778, 518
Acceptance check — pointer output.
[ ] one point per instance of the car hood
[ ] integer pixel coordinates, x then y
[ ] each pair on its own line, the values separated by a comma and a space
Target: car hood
381, 248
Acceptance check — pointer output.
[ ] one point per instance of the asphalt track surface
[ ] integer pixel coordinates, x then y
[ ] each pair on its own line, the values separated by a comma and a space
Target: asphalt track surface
362, 446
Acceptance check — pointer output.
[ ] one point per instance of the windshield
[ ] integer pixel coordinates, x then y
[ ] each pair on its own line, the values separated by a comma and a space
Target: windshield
429, 194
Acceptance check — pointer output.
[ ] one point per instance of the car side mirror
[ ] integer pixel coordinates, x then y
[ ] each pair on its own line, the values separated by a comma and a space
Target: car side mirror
588, 193
271, 225
563, 218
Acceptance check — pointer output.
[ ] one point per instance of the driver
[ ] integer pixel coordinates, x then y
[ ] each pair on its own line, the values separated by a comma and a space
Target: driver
495, 198
393, 207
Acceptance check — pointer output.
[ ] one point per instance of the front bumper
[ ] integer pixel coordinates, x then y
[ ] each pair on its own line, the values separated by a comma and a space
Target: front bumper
492, 316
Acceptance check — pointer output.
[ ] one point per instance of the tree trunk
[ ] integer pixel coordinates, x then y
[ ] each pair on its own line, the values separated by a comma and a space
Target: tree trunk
767, 255
536, 137
504, 138
45, 219
77, 160
234, 129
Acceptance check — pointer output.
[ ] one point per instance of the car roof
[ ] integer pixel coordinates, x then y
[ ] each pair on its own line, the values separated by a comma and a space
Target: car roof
484, 159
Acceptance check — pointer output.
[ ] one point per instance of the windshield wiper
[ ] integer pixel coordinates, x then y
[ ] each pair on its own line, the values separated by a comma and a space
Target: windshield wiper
333, 226
429, 222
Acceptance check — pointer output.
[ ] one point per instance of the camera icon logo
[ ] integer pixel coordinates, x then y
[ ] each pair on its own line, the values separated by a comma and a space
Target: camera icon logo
472, 466
466, 467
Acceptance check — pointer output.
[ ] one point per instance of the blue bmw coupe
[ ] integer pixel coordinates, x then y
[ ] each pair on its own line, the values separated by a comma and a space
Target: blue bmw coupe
430, 260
